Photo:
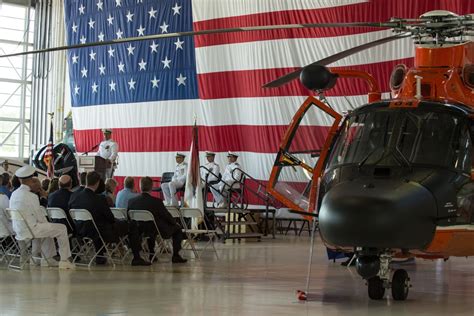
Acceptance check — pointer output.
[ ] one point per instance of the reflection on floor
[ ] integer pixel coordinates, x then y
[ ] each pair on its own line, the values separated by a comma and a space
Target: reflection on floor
251, 278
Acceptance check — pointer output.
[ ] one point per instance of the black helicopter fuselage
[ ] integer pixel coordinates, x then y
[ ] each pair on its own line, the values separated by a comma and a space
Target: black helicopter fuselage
394, 174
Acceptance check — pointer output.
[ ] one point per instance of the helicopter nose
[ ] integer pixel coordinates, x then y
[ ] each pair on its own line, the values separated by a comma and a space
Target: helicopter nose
379, 214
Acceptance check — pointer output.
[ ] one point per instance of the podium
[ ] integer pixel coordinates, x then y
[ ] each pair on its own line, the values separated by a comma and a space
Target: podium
93, 163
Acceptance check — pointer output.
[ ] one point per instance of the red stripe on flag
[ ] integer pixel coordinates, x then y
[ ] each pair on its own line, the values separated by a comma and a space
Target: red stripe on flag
248, 83
260, 139
373, 11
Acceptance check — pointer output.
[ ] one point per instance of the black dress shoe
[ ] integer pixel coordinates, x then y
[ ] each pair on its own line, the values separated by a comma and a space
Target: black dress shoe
140, 262
178, 259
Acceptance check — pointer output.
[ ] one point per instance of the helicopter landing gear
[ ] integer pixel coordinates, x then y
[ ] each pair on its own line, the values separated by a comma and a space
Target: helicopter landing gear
377, 284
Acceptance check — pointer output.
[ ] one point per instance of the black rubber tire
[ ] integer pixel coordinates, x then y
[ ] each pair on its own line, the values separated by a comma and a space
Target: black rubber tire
375, 288
400, 285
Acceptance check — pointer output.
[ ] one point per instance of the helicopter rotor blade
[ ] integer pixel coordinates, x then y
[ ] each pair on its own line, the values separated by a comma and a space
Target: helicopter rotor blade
333, 58
207, 32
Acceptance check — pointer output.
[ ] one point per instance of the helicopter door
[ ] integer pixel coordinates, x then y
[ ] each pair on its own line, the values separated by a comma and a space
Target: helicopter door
298, 165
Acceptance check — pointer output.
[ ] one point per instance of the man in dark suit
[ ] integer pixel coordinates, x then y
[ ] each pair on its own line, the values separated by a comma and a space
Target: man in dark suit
166, 223
77, 190
109, 228
60, 198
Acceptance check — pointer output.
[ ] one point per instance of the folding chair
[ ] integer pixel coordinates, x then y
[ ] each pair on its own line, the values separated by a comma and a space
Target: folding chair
25, 242
45, 213
57, 213
120, 214
87, 248
191, 233
174, 211
7, 249
147, 216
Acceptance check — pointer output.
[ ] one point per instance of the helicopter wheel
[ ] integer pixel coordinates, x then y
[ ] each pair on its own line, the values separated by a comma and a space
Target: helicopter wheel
376, 288
400, 285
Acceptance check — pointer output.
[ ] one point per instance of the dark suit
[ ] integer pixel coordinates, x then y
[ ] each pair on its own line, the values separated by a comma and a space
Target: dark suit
109, 228
60, 199
166, 223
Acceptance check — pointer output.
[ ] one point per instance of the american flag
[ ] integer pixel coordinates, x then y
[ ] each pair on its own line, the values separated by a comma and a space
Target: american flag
149, 92
48, 157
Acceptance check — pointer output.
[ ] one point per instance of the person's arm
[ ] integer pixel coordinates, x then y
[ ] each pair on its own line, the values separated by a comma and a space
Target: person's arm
165, 216
114, 150
183, 173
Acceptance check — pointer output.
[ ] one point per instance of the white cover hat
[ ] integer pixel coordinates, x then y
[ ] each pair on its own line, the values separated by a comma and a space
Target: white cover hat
25, 172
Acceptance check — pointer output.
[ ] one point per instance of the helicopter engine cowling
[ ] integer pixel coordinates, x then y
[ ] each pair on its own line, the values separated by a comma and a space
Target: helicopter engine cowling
378, 214
317, 78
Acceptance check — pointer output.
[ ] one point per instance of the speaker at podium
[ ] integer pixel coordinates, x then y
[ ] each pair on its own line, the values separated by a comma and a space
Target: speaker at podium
93, 163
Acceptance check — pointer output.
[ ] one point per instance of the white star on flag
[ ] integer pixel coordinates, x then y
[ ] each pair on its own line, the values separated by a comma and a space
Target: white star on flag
75, 58
81, 9
100, 5
94, 88
74, 27
131, 84
164, 27
152, 13
110, 19
83, 39
112, 86
118, 3
179, 44
92, 55
101, 37
166, 62
102, 69
84, 72
154, 82
176, 9
142, 65
76, 89
130, 16
121, 67
139, 1
154, 47
111, 52
181, 80
141, 31
130, 49
91, 23
119, 34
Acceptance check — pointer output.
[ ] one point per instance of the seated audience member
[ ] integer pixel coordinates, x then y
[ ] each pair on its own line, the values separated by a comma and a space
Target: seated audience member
53, 185
229, 179
110, 186
61, 198
5, 184
45, 184
177, 182
109, 228
26, 202
82, 185
4, 203
15, 183
38, 190
101, 191
126, 193
166, 223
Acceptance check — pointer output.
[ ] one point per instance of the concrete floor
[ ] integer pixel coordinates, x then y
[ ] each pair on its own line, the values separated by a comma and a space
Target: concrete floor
249, 279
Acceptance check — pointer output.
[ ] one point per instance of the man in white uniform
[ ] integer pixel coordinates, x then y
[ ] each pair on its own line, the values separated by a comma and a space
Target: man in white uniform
177, 182
27, 203
214, 168
230, 178
108, 149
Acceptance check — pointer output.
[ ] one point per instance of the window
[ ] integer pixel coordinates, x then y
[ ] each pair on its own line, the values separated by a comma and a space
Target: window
16, 35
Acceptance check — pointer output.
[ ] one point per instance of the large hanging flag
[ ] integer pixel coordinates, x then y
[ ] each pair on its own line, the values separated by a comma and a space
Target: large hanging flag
48, 157
193, 191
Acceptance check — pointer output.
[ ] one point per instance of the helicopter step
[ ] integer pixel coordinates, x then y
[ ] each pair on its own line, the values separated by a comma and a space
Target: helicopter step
377, 284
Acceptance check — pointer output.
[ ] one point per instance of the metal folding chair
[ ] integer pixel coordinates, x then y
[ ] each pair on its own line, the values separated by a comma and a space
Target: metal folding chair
24, 244
147, 216
8, 246
115, 210
57, 213
120, 214
86, 247
195, 214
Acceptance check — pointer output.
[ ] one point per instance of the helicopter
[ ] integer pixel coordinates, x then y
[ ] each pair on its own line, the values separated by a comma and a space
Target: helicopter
392, 178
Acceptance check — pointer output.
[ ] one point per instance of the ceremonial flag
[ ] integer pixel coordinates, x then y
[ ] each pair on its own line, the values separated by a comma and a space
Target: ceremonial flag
48, 157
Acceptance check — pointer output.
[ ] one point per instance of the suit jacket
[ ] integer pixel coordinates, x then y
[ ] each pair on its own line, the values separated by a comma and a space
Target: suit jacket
60, 198
165, 222
96, 205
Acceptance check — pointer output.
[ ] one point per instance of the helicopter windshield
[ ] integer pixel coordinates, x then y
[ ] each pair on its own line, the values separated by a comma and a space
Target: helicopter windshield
388, 137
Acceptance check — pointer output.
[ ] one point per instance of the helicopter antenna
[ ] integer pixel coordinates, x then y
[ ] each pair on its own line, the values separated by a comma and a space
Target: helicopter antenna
350, 104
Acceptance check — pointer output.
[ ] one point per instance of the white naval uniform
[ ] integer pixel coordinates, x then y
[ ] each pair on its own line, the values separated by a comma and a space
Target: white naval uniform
27, 203
232, 181
108, 149
214, 168
177, 182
